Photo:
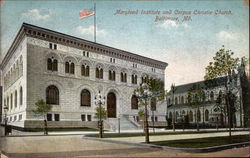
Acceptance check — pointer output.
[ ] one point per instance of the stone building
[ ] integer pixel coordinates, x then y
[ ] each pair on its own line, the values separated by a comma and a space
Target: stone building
68, 72
211, 112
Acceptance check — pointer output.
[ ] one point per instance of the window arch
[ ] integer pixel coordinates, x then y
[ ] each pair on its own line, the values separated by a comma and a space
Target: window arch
21, 96
52, 95
153, 104
134, 79
52, 64
134, 102
206, 115
212, 96
99, 72
85, 70
69, 67
85, 98
15, 100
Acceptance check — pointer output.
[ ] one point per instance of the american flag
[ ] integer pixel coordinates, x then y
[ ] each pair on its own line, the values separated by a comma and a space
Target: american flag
86, 13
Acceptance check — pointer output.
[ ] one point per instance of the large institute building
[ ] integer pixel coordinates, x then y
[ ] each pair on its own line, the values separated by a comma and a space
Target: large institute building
68, 72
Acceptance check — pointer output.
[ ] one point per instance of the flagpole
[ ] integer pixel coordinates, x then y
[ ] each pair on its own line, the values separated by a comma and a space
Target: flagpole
95, 23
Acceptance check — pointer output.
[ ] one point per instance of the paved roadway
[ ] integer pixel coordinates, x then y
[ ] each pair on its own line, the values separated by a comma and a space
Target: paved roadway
76, 146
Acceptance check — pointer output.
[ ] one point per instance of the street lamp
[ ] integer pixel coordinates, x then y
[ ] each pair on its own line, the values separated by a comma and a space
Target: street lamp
143, 95
5, 119
99, 101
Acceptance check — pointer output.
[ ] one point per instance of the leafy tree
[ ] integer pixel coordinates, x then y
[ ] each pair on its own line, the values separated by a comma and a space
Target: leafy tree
224, 64
196, 96
41, 110
101, 112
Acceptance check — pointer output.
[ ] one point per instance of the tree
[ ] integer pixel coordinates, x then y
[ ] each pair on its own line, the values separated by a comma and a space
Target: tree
148, 89
196, 96
41, 110
224, 65
101, 113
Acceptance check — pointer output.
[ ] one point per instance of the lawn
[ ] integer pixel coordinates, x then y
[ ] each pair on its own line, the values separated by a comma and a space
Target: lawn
60, 129
115, 135
204, 142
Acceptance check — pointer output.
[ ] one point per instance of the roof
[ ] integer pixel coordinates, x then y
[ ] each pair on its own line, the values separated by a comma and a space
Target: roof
64, 39
206, 84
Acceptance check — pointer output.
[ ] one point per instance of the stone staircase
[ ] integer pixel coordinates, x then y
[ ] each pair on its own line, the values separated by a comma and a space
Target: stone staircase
125, 124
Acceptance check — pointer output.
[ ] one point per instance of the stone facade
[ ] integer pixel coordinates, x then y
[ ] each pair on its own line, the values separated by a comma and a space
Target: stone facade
26, 76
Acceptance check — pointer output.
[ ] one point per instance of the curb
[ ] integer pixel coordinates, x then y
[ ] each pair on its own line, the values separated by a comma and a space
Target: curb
189, 150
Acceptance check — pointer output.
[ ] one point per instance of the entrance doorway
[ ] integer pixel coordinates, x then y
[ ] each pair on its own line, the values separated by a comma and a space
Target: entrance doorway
111, 105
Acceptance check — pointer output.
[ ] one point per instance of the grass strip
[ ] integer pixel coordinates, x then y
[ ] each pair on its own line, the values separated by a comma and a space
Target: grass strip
204, 142
116, 135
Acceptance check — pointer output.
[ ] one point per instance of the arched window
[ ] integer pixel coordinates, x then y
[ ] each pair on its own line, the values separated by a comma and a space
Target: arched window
134, 102
54, 66
171, 116
153, 104
212, 96
198, 116
206, 115
85, 70
176, 101
99, 72
49, 64
111, 75
21, 96
190, 116
72, 68
15, 101
123, 77
176, 115
52, 95
66, 67
85, 98
182, 99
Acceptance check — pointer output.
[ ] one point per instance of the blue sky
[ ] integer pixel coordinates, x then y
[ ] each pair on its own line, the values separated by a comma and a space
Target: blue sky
186, 46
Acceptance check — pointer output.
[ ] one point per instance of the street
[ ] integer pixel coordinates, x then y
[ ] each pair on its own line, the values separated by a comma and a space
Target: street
77, 146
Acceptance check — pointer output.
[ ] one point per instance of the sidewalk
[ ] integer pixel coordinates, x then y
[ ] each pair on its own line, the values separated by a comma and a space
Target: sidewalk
140, 139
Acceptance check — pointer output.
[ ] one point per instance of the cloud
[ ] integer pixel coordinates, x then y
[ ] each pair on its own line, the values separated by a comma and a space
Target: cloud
223, 35
172, 25
37, 15
90, 30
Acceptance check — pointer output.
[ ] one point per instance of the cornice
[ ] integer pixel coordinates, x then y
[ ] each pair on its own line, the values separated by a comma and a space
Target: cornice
64, 39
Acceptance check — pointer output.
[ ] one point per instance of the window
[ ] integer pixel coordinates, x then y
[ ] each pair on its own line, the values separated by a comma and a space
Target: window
123, 77
156, 119
54, 65
85, 70
83, 117
212, 96
111, 75
20, 117
176, 101
11, 101
15, 101
182, 99
72, 68
85, 98
134, 79
153, 104
49, 117
55, 46
8, 105
69, 67
57, 117
206, 115
134, 102
21, 96
89, 117
170, 116
99, 73
52, 95
198, 116
15, 118
50, 45
49, 64
190, 116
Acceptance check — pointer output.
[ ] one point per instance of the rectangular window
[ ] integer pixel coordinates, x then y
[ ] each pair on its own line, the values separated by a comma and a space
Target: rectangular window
20, 117
57, 117
55, 46
89, 117
49, 117
83, 117
50, 45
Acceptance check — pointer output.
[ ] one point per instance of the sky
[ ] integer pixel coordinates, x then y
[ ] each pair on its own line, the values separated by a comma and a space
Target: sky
187, 46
